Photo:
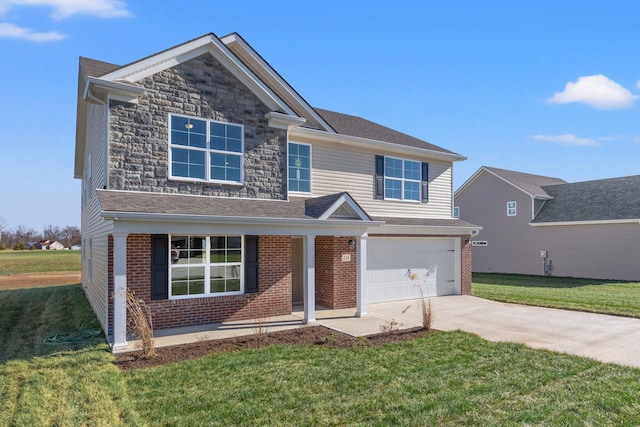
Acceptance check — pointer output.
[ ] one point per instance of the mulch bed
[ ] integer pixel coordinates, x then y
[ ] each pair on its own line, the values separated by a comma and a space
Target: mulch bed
311, 335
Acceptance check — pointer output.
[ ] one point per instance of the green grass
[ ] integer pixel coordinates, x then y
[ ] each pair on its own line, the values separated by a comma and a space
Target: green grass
54, 384
19, 262
442, 379
598, 296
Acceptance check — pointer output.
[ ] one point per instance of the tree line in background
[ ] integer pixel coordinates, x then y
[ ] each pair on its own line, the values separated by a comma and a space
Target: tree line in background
20, 235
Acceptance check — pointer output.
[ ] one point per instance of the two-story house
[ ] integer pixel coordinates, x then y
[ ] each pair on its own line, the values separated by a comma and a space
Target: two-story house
215, 192
539, 225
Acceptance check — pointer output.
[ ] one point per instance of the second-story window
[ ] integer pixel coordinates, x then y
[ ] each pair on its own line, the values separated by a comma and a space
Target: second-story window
299, 167
401, 179
206, 150
511, 208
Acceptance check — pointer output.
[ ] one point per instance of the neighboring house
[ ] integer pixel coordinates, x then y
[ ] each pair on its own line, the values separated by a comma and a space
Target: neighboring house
215, 192
46, 245
539, 225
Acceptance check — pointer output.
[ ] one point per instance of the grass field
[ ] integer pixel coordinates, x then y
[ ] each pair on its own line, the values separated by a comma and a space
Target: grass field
598, 296
442, 379
21, 262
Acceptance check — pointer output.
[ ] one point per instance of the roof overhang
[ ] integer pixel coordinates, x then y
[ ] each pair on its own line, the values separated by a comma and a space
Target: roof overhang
269, 75
99, 90
208, 43
204, 224
371, 143
431, 230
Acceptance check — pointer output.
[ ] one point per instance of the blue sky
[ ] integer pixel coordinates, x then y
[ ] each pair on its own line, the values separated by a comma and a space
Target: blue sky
545, 87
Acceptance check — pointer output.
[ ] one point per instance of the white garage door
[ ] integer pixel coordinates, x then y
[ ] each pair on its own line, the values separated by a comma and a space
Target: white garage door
397, 266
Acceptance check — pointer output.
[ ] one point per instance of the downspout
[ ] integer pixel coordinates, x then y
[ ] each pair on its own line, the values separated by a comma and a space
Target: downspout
87, 94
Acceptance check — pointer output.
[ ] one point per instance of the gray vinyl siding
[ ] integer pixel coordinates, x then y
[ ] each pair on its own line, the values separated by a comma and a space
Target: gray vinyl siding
95, 230
604, 251
484, 203
337, 168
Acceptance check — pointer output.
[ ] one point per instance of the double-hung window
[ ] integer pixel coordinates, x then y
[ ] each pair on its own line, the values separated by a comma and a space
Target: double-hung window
299, 167
401, 179
205, 265
206, 150
511, 208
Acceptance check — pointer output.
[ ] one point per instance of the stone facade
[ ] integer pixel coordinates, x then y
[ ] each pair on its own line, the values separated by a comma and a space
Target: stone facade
203, 88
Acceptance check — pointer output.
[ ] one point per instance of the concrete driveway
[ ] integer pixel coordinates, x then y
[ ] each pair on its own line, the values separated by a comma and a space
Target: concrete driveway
605, 338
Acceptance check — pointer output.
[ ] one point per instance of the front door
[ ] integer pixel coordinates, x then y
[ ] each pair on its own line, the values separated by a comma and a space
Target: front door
297, 276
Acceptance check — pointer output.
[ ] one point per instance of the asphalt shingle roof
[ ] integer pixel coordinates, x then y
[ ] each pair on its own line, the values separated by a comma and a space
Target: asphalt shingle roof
530, 183
605, 199
426, 222
356, 126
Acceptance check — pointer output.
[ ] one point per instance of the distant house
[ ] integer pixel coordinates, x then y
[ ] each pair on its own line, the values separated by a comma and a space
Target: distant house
46, 245
540, 225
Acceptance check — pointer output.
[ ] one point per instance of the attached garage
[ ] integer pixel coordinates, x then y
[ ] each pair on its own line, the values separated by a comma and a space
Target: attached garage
397, 265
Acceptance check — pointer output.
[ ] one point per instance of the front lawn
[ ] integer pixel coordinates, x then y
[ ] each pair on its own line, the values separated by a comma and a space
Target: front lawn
37, 261
598, 296
441, 379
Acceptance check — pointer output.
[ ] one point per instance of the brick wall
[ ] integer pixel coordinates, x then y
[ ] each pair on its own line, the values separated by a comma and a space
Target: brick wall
273, 298
335, 279
465, 284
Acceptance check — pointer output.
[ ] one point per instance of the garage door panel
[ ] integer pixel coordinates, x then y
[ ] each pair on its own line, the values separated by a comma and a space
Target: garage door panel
397, 267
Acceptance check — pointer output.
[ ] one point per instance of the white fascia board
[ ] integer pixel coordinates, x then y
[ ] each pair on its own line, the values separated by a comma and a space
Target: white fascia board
284, 121
115, 90
426, 229
207, 44
372, 143
253, 56
600, 222
351, 203
201, 224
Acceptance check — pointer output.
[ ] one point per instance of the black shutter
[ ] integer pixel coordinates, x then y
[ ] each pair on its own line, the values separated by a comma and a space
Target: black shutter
251, 264
379, 177
159, 266
425, 183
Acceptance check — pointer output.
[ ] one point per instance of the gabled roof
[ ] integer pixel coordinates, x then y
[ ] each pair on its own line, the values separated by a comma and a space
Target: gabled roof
95, 68
528, 183
600, 200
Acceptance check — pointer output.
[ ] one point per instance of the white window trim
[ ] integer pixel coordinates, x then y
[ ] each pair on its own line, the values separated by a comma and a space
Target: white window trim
456, 212
512, 210
310, 168
402, 180
207, 271
207, 150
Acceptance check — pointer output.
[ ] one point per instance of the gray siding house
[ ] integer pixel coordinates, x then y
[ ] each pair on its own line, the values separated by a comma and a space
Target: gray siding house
215, 192
539, 225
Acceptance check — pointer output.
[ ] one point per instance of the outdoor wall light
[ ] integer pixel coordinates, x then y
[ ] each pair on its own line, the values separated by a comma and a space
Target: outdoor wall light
352, 243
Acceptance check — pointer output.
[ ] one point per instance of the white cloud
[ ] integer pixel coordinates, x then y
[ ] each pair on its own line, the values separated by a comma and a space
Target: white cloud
566, 139
596, 90
66, 8
8, 30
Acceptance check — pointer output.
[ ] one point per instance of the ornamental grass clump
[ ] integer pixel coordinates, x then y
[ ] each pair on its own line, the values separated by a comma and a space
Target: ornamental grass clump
139, 322
425, 305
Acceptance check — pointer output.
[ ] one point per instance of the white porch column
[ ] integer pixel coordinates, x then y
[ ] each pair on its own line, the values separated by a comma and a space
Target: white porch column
361, 276
119, 292
309, 292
